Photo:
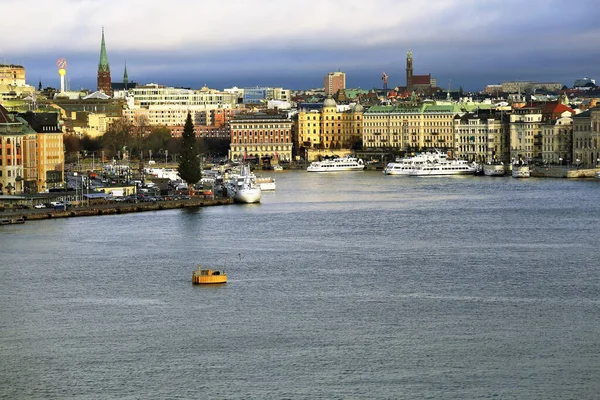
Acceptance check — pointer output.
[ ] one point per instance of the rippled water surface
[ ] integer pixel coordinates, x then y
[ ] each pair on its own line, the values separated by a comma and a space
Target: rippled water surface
347, 285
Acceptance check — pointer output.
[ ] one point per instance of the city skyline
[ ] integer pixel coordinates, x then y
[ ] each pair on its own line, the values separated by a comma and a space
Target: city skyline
235, 43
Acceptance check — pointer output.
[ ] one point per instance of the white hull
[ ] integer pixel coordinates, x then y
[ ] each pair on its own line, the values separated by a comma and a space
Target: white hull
243, 188
404, 166
521, 171
266, 185
337, 165
494, 170
247, 195
445, 168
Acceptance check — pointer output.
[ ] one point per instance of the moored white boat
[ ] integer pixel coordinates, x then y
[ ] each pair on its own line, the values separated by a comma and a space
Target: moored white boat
242, 187
494, 169
266, 183
348, 163
520, 169
451, 167
403, 166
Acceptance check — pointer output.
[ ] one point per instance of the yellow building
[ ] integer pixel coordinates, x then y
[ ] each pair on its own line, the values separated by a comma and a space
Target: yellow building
330, 129
410, 127
12, 74
32, 157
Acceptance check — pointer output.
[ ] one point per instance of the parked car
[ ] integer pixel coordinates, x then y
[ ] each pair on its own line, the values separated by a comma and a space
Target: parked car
39, 206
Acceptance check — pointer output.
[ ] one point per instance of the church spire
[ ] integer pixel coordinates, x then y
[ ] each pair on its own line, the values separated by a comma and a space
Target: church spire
125, 78
104, 81
103, 64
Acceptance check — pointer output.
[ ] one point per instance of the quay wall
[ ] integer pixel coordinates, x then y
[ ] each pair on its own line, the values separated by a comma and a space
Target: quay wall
114, 208
563, 172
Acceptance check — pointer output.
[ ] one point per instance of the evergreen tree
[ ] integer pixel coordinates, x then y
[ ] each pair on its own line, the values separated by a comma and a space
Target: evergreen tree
189, 163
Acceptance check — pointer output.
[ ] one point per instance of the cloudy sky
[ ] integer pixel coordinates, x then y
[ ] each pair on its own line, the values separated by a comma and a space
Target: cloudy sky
289, 43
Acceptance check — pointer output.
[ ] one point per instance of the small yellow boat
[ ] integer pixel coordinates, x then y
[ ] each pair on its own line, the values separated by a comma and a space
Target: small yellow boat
203, 276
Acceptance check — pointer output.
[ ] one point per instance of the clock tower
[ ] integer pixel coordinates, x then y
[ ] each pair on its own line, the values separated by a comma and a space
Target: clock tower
409, 72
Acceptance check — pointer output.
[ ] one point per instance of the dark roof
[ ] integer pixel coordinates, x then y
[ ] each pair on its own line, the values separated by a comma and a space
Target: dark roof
123, 85
5, 117
46, 122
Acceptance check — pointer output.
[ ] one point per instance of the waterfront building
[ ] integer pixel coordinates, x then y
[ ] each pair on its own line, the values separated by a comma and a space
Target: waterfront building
255, 136
104, 81
11, 153
586, 138
525, 129
44, 156
410, 127
557, 137
328, 127
30, 161
482, 136
334, 81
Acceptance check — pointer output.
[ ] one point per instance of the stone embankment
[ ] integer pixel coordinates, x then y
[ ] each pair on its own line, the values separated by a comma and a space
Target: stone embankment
112, 208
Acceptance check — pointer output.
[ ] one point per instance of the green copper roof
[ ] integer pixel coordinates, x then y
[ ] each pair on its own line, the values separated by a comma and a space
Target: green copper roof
417, 109
103, 64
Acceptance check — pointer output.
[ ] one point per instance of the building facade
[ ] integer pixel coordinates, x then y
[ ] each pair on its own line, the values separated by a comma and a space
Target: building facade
586, 138
12, 74
254, 136
30, 161
327, 128
482, 137
557, 138
334, 81
410, 127
525, 133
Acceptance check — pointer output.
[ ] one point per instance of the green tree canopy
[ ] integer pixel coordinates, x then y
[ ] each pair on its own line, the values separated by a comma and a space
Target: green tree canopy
189, 161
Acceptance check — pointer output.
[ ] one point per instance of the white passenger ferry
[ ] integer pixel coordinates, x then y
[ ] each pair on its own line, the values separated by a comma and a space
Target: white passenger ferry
403, 166
453, 167
348, 163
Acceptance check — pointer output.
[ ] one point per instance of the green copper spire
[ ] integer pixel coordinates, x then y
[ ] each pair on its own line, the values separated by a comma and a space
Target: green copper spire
125, 78
103, 64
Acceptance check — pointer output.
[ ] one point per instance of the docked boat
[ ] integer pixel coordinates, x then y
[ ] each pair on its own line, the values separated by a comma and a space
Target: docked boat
403, 166
520, 169
348, 163
494, 168
448, 167
266, 183
242, 187
277, 167
208, 276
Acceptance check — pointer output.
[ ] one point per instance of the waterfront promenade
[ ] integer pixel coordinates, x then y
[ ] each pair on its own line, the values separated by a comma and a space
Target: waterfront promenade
110, 208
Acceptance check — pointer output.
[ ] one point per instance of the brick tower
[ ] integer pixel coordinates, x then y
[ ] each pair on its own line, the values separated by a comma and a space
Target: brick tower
104, 82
